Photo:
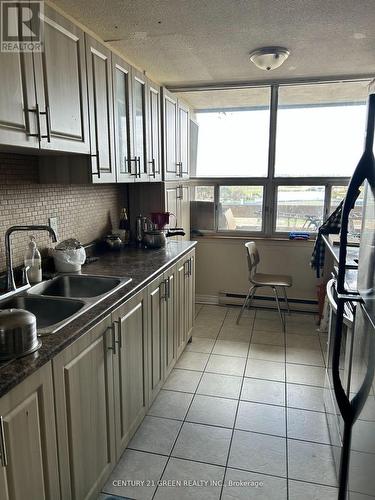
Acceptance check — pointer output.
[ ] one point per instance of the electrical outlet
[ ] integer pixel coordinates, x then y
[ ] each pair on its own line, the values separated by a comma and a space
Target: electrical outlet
52, 221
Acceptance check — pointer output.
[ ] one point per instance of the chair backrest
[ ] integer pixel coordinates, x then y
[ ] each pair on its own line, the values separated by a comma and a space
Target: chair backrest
252, 258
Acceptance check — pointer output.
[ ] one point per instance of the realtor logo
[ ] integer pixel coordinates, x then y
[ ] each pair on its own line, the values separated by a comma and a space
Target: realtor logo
21, 26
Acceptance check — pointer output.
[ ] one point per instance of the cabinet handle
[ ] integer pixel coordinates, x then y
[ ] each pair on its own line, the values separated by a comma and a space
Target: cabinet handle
190, 266
139, 167
130, 160
164, 295
113, 346
48, 123
179, 172
168, 289
97, 164
36, 110
119, 335
186, 265
152, 163
3, 451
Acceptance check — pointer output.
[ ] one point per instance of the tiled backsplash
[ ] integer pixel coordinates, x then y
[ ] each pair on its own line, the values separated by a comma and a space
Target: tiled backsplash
85, 212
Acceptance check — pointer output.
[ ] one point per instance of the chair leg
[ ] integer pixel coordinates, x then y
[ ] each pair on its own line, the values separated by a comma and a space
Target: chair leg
286, 300
278, 307
249, 298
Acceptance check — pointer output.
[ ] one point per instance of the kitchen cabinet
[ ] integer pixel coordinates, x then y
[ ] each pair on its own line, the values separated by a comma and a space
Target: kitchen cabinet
170, 277
123, 117
154, 132
29, 464
130, 367
99, 72
83, 378
176, 137
139, 125
156, 341
177, 201
185, 300
43, 103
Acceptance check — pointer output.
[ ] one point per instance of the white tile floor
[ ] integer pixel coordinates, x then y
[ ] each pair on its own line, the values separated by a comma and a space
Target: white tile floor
241, 416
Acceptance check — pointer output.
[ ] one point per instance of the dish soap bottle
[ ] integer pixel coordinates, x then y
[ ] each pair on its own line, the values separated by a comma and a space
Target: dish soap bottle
33, 260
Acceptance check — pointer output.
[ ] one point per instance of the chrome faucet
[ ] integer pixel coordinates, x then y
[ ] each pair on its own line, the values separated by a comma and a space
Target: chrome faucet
11, 285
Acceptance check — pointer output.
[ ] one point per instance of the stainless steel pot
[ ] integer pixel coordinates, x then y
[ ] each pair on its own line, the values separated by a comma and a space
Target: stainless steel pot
154, 239
18, 334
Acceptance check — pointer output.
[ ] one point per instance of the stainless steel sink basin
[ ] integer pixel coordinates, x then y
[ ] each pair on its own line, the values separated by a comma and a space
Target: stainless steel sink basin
77, 285
51, 313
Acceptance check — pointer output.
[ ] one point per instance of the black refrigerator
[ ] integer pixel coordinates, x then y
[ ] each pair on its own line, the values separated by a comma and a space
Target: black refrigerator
351, 367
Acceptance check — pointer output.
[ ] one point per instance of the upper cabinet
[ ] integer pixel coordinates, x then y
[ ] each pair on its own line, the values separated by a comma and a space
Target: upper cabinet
99, 72
43, 103
61, 88
154, 132
176, 137
139, 125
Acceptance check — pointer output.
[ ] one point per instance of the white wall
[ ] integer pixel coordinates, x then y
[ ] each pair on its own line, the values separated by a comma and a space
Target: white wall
221, 265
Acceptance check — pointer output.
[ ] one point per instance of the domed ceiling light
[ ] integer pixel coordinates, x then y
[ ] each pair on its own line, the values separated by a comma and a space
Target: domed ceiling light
269, 58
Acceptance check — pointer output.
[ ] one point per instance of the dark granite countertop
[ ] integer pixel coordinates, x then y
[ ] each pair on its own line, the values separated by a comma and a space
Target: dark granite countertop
139, 264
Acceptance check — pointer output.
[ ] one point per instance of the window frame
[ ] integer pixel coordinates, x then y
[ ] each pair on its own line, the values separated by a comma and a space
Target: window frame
271, 182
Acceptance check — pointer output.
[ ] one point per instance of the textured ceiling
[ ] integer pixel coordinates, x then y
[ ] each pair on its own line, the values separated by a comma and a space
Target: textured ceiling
208, 41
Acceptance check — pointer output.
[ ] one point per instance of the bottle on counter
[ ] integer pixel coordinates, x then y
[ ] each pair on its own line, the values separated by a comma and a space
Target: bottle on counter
33, 261
124, 227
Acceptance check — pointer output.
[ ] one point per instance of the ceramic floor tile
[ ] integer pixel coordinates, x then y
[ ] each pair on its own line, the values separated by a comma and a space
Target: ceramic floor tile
300, 328
271, 338
308, 425
192, 361
305, 397
305, 375
263, 391
225, 386
226, 365
208, 321
171, 404
205, 331
105, 496
156, 435
304, 357
268, 325
200, 344
311, 462
308, 491
229, 348
136, 466
267, 352
270, 370
303, 341
198, 308
182, 380
257, 417
203, 443
212, 411
240, 334
268, 314
258, 453
243, 485
214, 310
185, 471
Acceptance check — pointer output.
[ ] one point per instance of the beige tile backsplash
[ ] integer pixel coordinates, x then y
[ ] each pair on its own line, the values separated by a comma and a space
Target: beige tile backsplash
85, 212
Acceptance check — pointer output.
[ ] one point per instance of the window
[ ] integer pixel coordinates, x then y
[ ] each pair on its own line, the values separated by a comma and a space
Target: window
241, 208
299, 208
320, 129
233, 141
338, 193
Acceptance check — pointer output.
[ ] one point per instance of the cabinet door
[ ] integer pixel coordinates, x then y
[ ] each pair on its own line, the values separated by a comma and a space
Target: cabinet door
139, 125
191, 294
85, 417
181, 305
183, 210
171, 203
130, 369
157, 327
183, 140
170, 136
171, 319
99, 72
18, 119
123, 127
28, 416
60, 75
153, 152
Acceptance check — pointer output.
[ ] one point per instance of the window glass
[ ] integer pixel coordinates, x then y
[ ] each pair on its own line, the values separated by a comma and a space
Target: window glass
233, 140
338, 193
320, 129
299, 208
202, 208
241, 208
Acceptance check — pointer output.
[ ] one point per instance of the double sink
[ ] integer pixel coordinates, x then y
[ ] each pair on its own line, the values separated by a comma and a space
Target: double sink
59, 301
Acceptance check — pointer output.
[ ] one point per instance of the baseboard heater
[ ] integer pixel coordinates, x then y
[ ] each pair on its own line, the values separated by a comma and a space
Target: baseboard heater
266, 301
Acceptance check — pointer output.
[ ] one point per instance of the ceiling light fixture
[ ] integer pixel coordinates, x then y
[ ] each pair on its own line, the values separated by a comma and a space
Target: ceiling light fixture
269, 58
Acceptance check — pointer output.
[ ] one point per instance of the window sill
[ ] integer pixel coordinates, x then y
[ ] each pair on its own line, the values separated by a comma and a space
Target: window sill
247, 237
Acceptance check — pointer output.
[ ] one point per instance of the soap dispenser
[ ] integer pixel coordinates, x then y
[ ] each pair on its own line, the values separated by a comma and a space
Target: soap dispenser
33, 261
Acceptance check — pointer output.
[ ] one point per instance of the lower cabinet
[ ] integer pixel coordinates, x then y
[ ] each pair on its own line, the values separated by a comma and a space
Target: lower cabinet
85, 413
130, 367
29, 452
185, 300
